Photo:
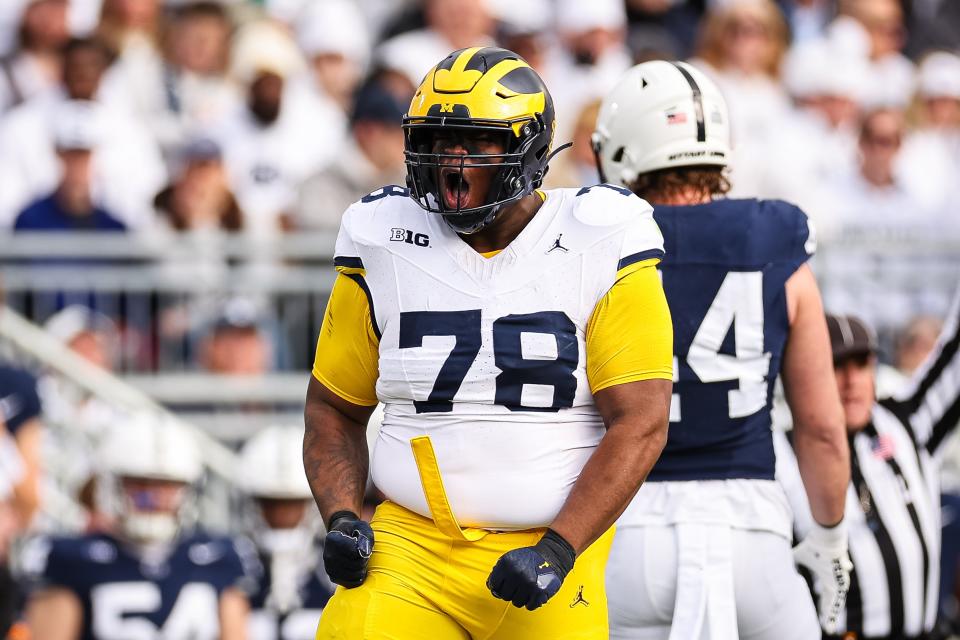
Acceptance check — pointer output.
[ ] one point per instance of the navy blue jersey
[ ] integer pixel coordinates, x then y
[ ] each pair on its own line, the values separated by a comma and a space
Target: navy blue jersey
125, 594
314, 589
724, 273
19, 401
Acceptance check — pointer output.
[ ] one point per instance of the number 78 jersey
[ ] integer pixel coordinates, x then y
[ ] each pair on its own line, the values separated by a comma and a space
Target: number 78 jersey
724, 275
491, 356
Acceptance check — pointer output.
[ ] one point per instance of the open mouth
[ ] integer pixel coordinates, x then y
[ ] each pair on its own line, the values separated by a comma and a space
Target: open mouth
456, 189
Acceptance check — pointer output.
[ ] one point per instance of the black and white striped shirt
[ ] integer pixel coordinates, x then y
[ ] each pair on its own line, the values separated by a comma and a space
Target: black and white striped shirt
893, 502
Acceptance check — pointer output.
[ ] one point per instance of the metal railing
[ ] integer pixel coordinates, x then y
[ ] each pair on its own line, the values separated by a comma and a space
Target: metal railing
30, 346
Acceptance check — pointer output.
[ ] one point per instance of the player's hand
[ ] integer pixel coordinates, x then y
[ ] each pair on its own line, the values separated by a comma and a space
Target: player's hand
530, 576
824, 552
347, 549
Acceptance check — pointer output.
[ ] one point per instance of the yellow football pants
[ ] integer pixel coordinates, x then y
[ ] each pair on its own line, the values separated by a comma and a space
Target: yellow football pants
425, 584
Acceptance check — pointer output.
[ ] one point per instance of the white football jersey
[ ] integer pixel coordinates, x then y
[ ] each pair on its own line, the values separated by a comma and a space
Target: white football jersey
487, 356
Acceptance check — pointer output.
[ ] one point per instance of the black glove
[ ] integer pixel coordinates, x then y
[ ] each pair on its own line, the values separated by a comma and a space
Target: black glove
347, 549
530, 576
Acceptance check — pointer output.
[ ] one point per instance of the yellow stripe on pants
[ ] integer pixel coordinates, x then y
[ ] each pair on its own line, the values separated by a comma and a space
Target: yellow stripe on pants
436, 495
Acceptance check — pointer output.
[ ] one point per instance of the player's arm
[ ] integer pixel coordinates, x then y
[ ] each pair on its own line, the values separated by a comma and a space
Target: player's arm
636, 416
820, 437
335, 450
629, 364
630, 370
234, 614
932, 399
54, 614
340, 398
820, 442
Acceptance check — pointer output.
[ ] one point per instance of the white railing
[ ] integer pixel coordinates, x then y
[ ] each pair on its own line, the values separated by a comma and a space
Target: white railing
29, 345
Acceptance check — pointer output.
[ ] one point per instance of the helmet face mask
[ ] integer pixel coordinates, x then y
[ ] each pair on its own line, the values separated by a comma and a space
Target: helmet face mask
152, 511
445, 154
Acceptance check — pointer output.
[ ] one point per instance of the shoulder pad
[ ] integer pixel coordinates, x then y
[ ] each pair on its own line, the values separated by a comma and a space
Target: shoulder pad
371, 220
622, 212
608, 205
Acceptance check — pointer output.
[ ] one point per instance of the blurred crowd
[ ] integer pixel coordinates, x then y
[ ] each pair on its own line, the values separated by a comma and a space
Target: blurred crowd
181, 122
259, 118
154, 117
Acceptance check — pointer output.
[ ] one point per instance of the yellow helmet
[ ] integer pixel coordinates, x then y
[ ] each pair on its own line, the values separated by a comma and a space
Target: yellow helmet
479, 89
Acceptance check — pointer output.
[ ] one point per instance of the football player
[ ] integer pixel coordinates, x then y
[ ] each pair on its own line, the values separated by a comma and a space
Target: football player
294, 588
521, 344
704, 548
153, 578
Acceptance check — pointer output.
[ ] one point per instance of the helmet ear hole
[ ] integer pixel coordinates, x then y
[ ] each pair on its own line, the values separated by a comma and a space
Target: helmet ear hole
618, 154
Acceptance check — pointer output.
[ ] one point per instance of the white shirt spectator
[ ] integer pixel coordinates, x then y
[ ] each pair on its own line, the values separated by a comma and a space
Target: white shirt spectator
128, 170
266, 164
173, 103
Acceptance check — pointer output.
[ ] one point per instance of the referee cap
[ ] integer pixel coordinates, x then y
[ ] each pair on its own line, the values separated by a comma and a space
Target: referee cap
850, 336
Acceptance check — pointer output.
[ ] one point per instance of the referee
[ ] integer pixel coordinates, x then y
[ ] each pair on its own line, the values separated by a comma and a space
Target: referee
893, 502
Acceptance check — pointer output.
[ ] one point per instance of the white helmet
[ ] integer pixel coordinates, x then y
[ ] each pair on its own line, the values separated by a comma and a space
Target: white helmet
150, 446
271, 467
661, 115
271, 464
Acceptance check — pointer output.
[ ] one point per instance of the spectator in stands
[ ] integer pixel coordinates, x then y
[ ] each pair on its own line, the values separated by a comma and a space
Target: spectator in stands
20, 418
879, 38
237, 343
577, 166
30, 165
185, 89
827, 86
808, 19
931, 154
450, 25
742, 44
78, 419
199, 199
333, 35
591, 59
70, 207
372, 158
88, 333
663, 26
282, 135
35, 65
878, 221
525, 29
131, 27
915, 343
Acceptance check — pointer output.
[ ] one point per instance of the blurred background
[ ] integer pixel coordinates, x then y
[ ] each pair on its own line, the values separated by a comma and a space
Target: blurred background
172, 176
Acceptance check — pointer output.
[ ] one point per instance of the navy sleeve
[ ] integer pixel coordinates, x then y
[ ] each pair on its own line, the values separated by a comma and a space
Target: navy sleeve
52, 562
19, 400
239, 567
792, 235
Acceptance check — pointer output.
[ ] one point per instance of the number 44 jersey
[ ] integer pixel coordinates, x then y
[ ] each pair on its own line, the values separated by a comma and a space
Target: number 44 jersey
496, 357
725, 274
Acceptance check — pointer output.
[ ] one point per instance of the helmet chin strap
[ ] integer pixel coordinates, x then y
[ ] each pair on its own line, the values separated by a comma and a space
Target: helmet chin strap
595, 146
479, 221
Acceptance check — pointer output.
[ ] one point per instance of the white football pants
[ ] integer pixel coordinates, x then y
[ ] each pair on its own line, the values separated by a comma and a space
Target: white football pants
706, 582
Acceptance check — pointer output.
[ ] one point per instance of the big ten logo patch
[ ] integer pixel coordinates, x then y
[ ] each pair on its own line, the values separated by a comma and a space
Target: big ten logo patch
405, 235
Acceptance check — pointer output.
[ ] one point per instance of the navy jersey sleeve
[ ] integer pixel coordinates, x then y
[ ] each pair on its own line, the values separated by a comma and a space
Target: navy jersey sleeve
19, 400
789, 232
239, 567
52, 562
